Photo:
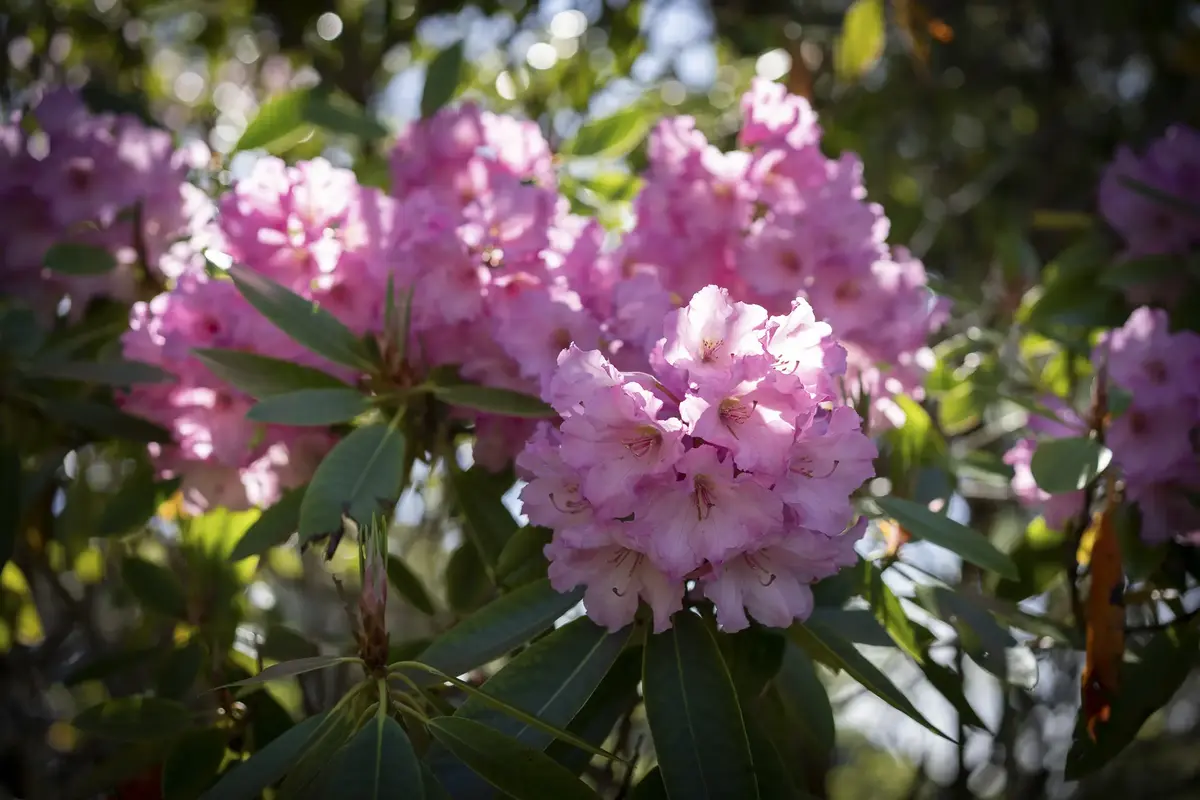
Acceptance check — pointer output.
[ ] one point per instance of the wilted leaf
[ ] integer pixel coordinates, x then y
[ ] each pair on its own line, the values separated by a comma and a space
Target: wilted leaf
1105, 610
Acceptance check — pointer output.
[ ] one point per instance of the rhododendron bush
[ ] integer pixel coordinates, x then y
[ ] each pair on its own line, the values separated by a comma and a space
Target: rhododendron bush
419, 469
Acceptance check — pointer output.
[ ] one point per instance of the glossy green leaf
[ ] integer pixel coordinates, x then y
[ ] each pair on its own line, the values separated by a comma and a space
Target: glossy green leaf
192, 765
823, 643
278, 117
302, 320
289, 669
442, 78
770, 770
410, 587
509, 620
247, 780
361, 475
261, 376
156, 588
134, 718
694, 715
806, 702
70, 258
311, 407
862, 39
753, 657
492, 400
273, 527
378, 764
489, 522
523, 547
338, 113
616, 696
104, 373
912, 638
516, 769
1066, 465
613, 136
945, 532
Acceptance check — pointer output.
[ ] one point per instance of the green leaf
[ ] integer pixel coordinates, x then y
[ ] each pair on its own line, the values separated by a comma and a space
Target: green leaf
379, 764
409, 585
857, 625
131, 719
1066, 465
311, 407
70, 258
1146, 271
134, 504
156, 588
261, 376
509, 620
289, 669
467, 583
273, 527
807, 702
489, 523
103, 419
10, 501
945, 532
302, 320
822, 642
246, 781
982, 637
433, 787
338, 113
319, 755
442, 77
613, 136
650, 787
1146, 685
192, 765
360, 475
616, 695
514, 768
950, 684
523, 547
862, 39
105, 373
277, 117
179, 670
494, 401
695, 720
890, 613
753, 656
770, 770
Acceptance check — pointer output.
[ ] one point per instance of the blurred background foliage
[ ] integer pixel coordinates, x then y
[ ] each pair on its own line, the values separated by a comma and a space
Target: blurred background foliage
983, 126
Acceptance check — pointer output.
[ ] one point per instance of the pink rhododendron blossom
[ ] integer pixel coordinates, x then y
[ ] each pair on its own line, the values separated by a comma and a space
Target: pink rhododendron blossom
727, 463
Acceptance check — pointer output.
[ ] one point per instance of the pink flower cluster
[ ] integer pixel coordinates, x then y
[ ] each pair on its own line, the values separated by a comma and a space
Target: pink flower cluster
67, 175
1156, 440
1155, 225
770, 223
731, 466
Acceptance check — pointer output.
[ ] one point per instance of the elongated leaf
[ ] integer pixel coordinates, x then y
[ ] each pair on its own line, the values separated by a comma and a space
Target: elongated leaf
816, 639
273, 527
890, 614
804, 721
950, 684
1065, 465
318, 407
304, 321
770, 771
192, 764
441, 79
319, 755
103, 419
753, 656
106, 373
495, 401
857, 625
692, 707
613, 136
360, 476
514, 768
983, 638
945, 532
288, 669
616, 695
409, 585
70, 258
261, 376
522, 547
862, 39
277, 117
379, 764
468, 585
132, 719
338, 113
155, 587
489, 522
498, 627
246, 781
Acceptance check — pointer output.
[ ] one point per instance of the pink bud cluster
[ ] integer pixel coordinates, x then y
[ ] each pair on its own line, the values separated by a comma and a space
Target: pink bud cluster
769, 223
106, 180
1156, 440
1153, 225
731, 465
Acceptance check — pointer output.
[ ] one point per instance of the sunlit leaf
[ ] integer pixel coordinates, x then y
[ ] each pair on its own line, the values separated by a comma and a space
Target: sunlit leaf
1066, 465
442, 78
945, 532
1105, 620
862, 39
613, 136
289, 669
